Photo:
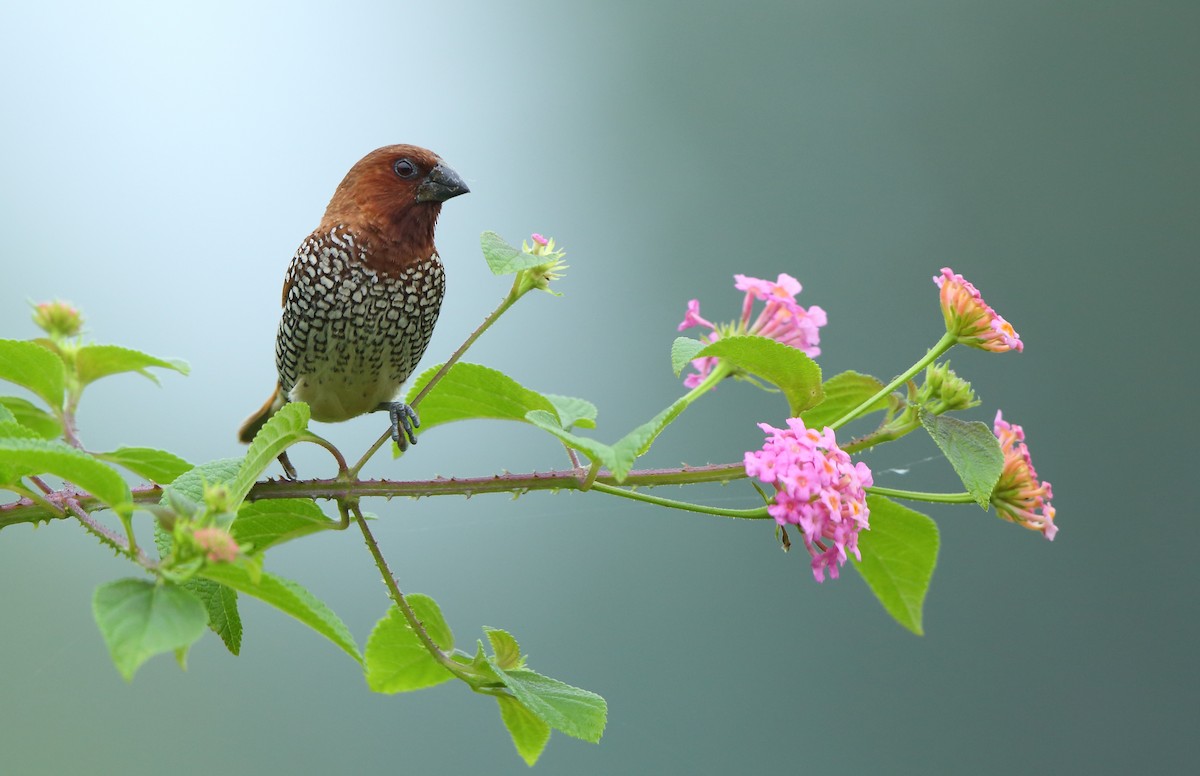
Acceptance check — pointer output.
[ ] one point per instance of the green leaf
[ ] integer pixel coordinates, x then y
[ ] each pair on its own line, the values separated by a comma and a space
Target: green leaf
617, 458
221, 604
396, 660
635, 444
32, 417
529, 733
289, 598
683, 351
844, 392
794, 373
898, 557
505, 649
576, 712
93, 362
263, 524
471, 391
10, 428
972, 449
191, 483
26, 457
504, 259
572, 411
287, 426
139, 619
594, 449
37, 368
158, 466
219, 601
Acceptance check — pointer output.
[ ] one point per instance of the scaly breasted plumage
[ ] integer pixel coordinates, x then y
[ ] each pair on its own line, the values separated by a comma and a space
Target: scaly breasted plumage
362, 293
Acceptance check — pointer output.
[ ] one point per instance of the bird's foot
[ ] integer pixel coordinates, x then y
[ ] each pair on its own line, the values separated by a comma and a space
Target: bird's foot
289, 471
404, 423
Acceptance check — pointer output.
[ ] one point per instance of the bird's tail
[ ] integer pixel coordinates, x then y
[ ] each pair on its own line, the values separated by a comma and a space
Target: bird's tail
258, 420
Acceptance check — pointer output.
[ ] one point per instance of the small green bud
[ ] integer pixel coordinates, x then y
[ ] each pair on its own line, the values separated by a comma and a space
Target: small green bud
944, 390
58, 319
216, 498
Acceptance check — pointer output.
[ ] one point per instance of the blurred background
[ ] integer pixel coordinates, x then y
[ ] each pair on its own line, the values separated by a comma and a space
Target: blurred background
159, 163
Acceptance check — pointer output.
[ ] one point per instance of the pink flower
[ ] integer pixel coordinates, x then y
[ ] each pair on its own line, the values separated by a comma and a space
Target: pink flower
781, 319
970, 318
1019, 497
692, 317
537, 238
817, 488
218, 545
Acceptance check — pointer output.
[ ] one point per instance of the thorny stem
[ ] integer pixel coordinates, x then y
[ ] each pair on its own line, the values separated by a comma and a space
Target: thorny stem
25, 510
101, 532
509, 301
401, 602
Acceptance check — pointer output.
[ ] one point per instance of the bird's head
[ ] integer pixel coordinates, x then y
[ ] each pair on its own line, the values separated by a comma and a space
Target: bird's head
397, 192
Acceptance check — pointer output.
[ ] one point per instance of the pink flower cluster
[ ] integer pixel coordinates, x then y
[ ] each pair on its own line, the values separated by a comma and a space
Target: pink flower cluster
971, 319
781, 319
817, 488
1019, 497
217, 544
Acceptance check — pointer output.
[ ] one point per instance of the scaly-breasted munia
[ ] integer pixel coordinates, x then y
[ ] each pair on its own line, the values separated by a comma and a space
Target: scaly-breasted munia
362, 293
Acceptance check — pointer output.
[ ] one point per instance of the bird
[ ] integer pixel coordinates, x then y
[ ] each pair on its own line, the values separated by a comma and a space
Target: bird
362, 294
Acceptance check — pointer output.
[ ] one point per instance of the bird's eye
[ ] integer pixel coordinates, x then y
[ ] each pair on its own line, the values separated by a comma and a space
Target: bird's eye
404, 168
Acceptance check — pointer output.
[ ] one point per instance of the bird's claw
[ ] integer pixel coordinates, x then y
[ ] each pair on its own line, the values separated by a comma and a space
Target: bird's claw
289, 471
404, 419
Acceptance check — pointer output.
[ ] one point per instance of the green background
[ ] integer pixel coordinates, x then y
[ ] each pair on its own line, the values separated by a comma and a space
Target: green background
160, 162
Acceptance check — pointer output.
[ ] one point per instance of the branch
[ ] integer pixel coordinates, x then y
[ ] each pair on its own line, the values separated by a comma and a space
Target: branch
27, 511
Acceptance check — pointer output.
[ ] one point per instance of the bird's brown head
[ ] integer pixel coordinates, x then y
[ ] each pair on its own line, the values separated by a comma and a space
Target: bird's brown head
394, 194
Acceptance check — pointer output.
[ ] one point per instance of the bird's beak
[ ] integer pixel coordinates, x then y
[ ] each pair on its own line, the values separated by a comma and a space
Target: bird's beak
440, 184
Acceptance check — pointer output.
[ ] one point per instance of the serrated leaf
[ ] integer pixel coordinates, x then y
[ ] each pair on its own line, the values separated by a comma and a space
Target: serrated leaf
683, 351
191, 483
572, 411
972, 449
470, 391
32, 417
396, 660
618, 458
592, 448
23, 457
158, 466
263, 524
898, 557
504, 259
288, 597
221, 604
576, 712
506, 652
529, 733
635, 444
93, 362
11, 428
785, 367
280, 432
139, 619
843, 392
35, 367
